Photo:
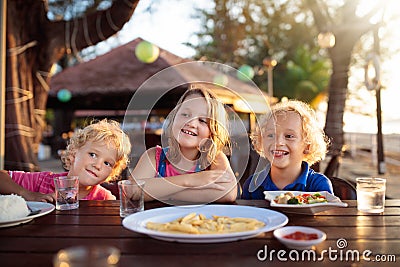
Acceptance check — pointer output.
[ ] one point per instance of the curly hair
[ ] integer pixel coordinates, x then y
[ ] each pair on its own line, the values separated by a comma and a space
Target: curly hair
104, 130
218, 124
313, 135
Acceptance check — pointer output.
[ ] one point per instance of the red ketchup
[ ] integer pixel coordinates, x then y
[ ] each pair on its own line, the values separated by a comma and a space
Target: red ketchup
301, 236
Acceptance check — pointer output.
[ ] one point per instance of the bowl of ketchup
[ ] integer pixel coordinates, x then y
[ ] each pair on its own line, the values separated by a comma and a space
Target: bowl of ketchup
299, 237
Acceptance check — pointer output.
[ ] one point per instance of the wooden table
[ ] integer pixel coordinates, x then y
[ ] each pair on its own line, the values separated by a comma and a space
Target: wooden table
98, 222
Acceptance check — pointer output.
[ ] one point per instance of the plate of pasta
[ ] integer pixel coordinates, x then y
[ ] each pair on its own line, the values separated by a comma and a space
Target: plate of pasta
303, 202
205, 223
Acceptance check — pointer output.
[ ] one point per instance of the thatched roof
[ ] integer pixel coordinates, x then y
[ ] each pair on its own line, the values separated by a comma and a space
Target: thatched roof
110, 80
114, 72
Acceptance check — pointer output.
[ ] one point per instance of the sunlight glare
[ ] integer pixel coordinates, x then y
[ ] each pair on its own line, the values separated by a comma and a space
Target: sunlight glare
366, 6
389, 73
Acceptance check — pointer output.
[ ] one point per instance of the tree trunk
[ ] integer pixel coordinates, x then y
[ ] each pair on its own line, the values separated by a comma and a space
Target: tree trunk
336, 106
34, 44
337, 97
347, 28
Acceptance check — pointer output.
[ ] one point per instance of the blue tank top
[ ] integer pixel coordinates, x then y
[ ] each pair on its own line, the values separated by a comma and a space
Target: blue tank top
162, 164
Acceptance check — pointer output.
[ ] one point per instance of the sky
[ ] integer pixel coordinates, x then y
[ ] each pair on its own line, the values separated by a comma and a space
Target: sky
163, 27
170, 29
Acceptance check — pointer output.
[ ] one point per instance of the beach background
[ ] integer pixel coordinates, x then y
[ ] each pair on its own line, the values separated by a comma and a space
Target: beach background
360, 160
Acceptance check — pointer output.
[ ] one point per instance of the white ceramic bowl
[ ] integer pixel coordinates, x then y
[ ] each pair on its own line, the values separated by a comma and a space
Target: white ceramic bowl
299, 244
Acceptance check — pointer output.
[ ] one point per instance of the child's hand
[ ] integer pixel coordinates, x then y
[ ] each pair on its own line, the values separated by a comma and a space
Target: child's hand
36, 196
211, 179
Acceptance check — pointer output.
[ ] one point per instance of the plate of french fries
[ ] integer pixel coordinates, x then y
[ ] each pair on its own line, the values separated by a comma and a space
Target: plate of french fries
205, 223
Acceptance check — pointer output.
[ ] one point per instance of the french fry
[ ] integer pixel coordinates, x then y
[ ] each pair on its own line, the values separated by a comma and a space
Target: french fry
199, 224
188, 217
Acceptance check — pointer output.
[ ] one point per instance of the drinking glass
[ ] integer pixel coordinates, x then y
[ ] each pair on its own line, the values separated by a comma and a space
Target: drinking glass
371, 194
131, 197
67, 189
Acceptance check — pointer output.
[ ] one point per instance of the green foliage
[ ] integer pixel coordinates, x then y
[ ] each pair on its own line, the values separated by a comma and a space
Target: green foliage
245, 32
305, 76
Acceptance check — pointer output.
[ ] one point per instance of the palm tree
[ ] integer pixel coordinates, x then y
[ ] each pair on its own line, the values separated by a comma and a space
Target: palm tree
347, 28
34, 43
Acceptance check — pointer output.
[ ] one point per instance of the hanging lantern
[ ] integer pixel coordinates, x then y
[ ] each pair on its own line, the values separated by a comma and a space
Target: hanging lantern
372, 72
326, 39
221, 79
147, 52
64, 95
245, 73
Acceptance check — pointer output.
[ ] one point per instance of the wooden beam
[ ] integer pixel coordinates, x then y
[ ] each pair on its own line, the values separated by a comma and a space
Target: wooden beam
3, 12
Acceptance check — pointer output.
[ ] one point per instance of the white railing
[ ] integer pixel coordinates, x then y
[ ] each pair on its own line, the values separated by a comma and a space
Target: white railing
367, 143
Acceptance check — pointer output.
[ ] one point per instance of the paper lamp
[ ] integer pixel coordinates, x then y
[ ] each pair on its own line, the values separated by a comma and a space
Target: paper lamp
147, 52
64, 95
245, 73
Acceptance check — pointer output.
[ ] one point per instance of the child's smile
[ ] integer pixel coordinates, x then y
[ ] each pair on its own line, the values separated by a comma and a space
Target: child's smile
279, 153
189, 132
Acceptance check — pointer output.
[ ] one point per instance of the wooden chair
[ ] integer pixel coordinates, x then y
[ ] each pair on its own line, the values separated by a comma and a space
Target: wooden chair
343, 189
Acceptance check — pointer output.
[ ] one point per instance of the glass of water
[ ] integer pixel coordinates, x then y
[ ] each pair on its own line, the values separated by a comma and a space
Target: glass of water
371, 194
131, 197
67, 189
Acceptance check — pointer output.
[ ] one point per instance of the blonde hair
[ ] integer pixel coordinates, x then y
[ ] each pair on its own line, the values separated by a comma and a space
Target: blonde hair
104, 130
217, 123
313, 135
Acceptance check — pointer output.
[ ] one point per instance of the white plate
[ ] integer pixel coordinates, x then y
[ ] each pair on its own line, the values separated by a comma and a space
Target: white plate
137, 222
333, 202
44, 208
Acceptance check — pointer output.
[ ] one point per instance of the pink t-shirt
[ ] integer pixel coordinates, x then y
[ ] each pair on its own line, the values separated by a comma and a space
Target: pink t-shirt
169, 168
43, 182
